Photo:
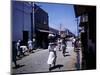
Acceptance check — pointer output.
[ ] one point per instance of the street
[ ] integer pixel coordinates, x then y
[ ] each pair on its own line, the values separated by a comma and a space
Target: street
37, 61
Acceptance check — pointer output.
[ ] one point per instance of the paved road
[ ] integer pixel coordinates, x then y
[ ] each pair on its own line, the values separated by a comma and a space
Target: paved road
37, 62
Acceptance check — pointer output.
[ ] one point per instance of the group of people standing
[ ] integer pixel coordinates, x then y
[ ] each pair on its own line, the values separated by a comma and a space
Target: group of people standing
19, 49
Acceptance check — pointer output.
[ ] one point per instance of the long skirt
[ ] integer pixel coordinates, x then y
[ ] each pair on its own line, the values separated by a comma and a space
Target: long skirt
51, 58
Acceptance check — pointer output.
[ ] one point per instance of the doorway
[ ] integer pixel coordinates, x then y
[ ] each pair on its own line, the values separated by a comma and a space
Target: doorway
25, 37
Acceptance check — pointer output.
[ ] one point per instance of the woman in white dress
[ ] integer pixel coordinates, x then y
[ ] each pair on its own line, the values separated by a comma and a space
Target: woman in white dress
52, 54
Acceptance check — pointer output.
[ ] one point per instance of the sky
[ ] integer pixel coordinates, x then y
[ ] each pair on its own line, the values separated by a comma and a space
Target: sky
60, 14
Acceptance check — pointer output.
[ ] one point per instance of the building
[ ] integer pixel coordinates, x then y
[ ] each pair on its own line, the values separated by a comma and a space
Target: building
69, 33
87, 31
41, 27
21, 21
29, 21
53, 30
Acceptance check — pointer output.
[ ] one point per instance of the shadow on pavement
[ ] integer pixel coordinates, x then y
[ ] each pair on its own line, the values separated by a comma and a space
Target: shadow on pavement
66, 55
66, 52
56, 66
19, 66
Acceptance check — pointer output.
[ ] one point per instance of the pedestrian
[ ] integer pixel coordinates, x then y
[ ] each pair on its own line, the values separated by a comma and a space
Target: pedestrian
66, 41
51, 37
34, 43
30, 45
14, 54
76, 45
18, 48
52, 54
63, 46
24, 50
73, 41
59, 44
55, 49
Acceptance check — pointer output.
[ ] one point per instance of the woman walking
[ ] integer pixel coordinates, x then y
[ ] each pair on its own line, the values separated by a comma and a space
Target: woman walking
52, 54
63, 47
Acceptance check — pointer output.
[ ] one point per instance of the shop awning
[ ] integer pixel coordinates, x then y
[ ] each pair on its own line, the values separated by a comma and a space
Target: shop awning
45, 31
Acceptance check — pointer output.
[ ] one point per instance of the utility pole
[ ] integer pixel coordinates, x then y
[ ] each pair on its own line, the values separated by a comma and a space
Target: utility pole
60, 29
23, 17
77, 27
32, 21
